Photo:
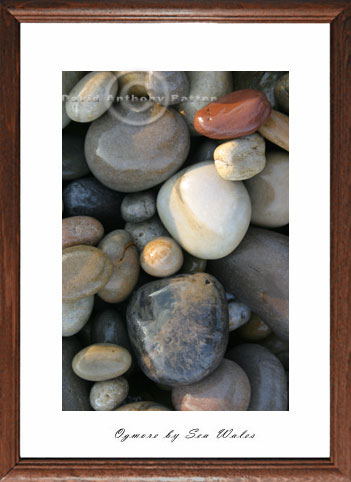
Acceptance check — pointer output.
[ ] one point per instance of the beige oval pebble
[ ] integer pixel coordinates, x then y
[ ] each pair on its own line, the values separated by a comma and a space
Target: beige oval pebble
161, 257
81, 230
85, 271
75, 314
139, 406
101, 361
269, 192
91, 96
226, 389
122, 252
109, 394
276, 129
240, 158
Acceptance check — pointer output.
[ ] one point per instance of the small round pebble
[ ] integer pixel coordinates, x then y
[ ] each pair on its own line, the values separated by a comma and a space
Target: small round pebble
101, 361
143, 406
81, 230
75, 314
109, 394
144, 232
254, 330
161, 257
239, 314
240, 158
138, 207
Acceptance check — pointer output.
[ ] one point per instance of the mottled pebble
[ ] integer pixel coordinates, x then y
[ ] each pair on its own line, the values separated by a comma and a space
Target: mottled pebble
108, 394
81, 230
144, 232
138, 207
161, 257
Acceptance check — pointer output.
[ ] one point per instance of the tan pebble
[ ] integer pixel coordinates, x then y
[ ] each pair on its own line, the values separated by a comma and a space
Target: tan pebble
75, 314
109, 394
161, 257
122, 252
276, 129
254, 330
85, 270
139, 406
101, 361
81, 230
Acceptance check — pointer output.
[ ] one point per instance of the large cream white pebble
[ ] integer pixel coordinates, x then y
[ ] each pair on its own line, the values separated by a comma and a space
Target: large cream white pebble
269, 192
241, 158
207, 215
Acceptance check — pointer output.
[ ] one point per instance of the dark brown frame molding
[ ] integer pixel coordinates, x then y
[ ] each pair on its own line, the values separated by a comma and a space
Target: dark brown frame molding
338, 467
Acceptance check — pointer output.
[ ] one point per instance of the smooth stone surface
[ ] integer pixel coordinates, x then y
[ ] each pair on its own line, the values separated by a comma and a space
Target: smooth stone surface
281, 92
69, 80
101, 361
143, 406
138, 207
257, 272
85, 270
266, 374
131, 82
189, 204
75, 314
167, 88
269, 192
130, 158
142, 233
226, 389
88, 197
91, 96
123, 254
237, 114
81, 230
204, 88
179, 328
75, 390
109, 394
161, 257
254, 330
239, 314
276, 129
192, 264
74, 164
241, 158
205, 151
264, 81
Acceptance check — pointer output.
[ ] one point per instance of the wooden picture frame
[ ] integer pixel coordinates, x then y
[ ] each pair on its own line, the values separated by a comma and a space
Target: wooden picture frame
335, 468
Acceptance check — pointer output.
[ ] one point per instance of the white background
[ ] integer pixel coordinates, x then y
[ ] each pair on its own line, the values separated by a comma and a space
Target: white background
46, 50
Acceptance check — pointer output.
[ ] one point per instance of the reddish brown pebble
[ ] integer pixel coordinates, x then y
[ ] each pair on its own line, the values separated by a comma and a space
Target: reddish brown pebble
237, 114
81, 230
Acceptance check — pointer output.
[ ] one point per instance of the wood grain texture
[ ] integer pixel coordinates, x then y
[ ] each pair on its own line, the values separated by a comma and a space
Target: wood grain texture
338, 467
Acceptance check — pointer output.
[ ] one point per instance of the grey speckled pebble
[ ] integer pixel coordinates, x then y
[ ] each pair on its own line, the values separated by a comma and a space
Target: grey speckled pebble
109, 394
266, 374
138, 207
167, 88
144, 232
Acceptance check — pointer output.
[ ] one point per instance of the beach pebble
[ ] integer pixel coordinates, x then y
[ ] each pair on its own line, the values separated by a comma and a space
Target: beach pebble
237, 114
254, 330
69, 80
266, 375
108, 327
179, 328
130, 151
167, 88
121, 251
258, 273
189, 204
75, 314
81, 230
276, 129
138, 207
204, 88
192, 264
85, 270
161, 257
281, 92
108, 394
75, 390
142, 233
240, 158
278, 347
142, 406
74, 164
239, 314
131, 82
226, 389
101, 361
265, 81
88, 197
269, 192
